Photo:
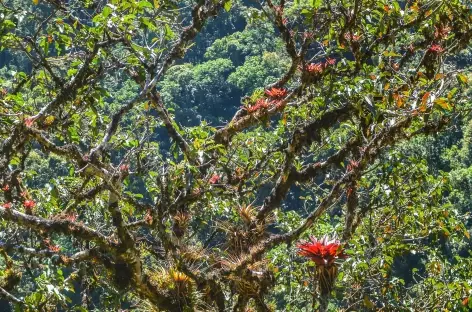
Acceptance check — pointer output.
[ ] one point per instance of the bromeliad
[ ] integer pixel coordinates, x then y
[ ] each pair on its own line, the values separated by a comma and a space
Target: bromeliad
324, 252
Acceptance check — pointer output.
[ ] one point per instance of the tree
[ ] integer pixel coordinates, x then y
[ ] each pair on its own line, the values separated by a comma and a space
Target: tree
95, 199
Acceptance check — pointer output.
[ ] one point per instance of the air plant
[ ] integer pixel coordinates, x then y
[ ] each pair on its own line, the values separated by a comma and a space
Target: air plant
324, 253
180, 224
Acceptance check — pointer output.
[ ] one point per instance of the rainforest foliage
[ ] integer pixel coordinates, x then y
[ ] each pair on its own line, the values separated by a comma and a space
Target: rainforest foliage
235, 155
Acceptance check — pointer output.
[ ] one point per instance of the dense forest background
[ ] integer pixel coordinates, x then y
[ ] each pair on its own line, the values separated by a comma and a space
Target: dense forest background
411, 252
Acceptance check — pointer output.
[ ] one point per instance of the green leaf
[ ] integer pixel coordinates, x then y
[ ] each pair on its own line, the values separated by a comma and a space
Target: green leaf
228, 5
443, 103
462, 78
106, 11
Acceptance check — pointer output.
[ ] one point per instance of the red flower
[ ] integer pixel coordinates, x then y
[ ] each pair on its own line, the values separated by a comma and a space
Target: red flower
323, 252
350, 37
124, 168
278, 9
330, 61
7, 205
214, 179
349, 192
29, 121
308, 35
54, 248
436, 48
261, 103
29, 204
315, 68
72, 217
6, 188
276, 93
352, 165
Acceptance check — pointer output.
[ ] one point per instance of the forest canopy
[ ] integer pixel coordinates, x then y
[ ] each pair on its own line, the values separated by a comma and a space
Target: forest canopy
235, 155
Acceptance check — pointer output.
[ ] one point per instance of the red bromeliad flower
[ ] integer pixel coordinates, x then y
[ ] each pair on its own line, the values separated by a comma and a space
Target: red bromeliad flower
214, 179
54, 248
124, 168
323, 252
315, 68
318, 68
349, 192
72, 217
261, 103
50, 246
353, 164
6, 188
29, 121
276, 93
436, 48
7, 205
29, 204
350, 37
330, 61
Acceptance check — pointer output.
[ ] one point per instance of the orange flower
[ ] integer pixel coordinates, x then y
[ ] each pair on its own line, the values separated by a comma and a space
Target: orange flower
465, 302
50, 246
276, 93
323, 252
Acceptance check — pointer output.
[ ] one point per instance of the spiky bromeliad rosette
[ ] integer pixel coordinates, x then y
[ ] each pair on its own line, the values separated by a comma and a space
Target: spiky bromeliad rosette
324, 253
